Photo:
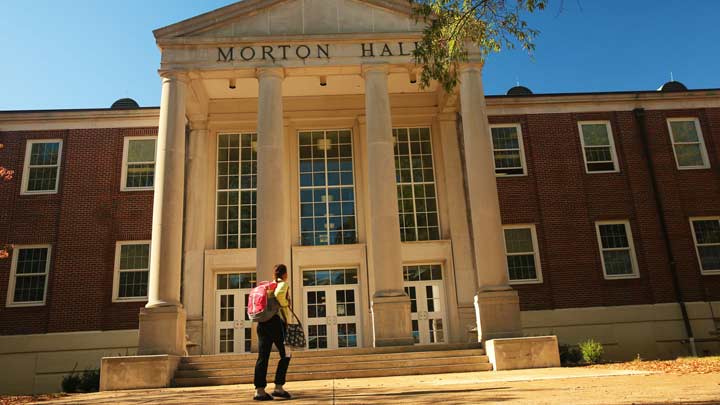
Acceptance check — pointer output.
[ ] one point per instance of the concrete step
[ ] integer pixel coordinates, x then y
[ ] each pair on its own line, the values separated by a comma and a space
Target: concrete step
340, 352
326, 375
329, 367
240, 361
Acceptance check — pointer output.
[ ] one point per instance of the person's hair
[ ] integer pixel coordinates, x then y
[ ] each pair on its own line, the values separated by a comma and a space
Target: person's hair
279, 271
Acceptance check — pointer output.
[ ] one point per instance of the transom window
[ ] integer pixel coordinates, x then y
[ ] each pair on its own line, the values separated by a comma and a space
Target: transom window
424, 272
138, 163
41, 172
132, 268
508, 149
237, 191
706, 234
327, 192
29, 276
688, 144
330, 277
598, 147
521, 250
616, 249
234, 281
417, 202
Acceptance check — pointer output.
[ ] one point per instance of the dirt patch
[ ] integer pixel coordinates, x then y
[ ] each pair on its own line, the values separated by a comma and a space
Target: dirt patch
682, 366
25, 399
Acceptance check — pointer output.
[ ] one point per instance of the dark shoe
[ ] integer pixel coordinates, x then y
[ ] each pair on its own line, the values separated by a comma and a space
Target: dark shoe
265, 397
284, 395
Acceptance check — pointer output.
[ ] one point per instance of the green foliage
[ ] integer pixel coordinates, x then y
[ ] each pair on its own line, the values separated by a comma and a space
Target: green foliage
592, 351
570, 355
87, 381
453, 26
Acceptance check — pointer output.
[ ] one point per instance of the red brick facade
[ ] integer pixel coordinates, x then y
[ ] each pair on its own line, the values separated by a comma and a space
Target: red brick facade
89, 214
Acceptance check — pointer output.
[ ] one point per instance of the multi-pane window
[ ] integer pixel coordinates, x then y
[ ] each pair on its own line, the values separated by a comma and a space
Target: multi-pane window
598, 147
132, 267
139, 163
706, 234
426, 272
521, 250
417, 202
688, 144
41, 172
508, 150
29, 277
236, 191
327, 192
617, 251
330, 277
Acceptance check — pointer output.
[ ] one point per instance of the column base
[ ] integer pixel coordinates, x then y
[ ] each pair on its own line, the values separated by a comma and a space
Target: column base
497, 314
391, 321
162, 331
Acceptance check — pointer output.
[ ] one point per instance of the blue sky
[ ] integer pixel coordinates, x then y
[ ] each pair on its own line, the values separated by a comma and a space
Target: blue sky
88, 53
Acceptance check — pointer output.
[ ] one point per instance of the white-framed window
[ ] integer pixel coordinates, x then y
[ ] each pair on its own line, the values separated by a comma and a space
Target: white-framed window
508, 149
41, 171
132, 269
617, 250
598, 146
706, 235
138, 169
236, 210
415, 176
522, 253
29, 276
688, 143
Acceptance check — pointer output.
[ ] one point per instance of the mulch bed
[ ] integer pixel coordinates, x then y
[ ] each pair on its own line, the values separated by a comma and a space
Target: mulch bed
24, 399
687, 365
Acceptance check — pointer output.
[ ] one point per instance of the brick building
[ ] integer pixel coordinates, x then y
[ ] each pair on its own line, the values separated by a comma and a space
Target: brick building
599, 211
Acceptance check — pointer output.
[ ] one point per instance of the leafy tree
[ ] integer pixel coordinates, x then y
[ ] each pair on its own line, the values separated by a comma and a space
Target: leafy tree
5, 175
455, 26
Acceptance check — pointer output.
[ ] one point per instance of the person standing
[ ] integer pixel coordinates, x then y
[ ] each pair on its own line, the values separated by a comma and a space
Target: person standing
273, 332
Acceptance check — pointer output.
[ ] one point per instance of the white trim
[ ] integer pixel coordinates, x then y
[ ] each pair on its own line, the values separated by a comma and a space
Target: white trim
701, 141
536, 255
10, 301
695, 242
631, 243
611, 140
26, 166
521, 146
116, 271
123, 177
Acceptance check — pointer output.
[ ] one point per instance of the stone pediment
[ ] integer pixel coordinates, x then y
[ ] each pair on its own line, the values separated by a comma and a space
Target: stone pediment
279, 18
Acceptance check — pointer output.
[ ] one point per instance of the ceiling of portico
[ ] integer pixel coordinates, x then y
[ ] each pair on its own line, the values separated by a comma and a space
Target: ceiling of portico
295, 86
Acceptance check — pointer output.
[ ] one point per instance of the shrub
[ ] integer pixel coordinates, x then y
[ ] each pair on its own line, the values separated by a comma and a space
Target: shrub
87, 381
592, 351
570, 355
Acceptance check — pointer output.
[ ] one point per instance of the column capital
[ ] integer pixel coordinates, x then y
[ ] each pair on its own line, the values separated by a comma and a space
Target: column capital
471, 67
270, 71
198, 124
447, 117
374, 68
175, 75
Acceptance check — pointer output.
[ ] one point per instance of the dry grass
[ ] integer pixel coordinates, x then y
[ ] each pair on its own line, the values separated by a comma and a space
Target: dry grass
680, 366
24, 399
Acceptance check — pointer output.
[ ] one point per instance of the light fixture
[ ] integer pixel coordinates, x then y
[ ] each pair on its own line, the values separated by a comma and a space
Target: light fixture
413, 77
323, 81
232, 84
323, 144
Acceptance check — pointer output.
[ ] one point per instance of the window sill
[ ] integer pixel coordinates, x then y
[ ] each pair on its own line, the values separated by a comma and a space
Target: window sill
710, 272
121, 300
694, 167
525, 282
25, 304
622, 277
132, 189
48, 192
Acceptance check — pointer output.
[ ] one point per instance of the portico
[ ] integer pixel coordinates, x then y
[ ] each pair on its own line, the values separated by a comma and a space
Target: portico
297, 122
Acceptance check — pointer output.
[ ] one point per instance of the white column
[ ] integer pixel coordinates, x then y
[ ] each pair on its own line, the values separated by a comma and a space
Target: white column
273, 239
497, 304
162, 321
390, 304
198, 213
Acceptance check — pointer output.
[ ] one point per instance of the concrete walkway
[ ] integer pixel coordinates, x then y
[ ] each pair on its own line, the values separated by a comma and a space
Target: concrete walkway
558, 385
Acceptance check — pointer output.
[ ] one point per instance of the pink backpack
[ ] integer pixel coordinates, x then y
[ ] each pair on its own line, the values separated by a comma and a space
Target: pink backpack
260, 307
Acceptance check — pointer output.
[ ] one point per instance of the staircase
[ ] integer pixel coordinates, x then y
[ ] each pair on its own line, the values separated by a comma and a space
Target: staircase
336, 364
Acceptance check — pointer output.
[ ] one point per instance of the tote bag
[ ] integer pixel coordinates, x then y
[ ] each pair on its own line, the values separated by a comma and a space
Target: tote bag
295, 333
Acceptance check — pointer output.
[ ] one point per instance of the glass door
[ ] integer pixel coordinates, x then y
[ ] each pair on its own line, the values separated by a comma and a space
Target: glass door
233, 326
424, 285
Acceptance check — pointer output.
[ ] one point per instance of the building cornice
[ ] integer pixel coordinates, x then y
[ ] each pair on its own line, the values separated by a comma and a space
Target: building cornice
78, 119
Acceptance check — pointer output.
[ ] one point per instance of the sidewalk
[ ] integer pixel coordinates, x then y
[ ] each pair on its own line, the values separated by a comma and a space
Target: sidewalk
541, 386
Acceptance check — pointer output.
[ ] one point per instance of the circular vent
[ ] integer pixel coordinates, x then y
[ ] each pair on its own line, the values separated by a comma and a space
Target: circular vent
673, 86
125, 104
519, 91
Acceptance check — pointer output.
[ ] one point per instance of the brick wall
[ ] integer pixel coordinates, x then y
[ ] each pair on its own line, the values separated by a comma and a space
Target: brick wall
89, 214
564, 202
82, 222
